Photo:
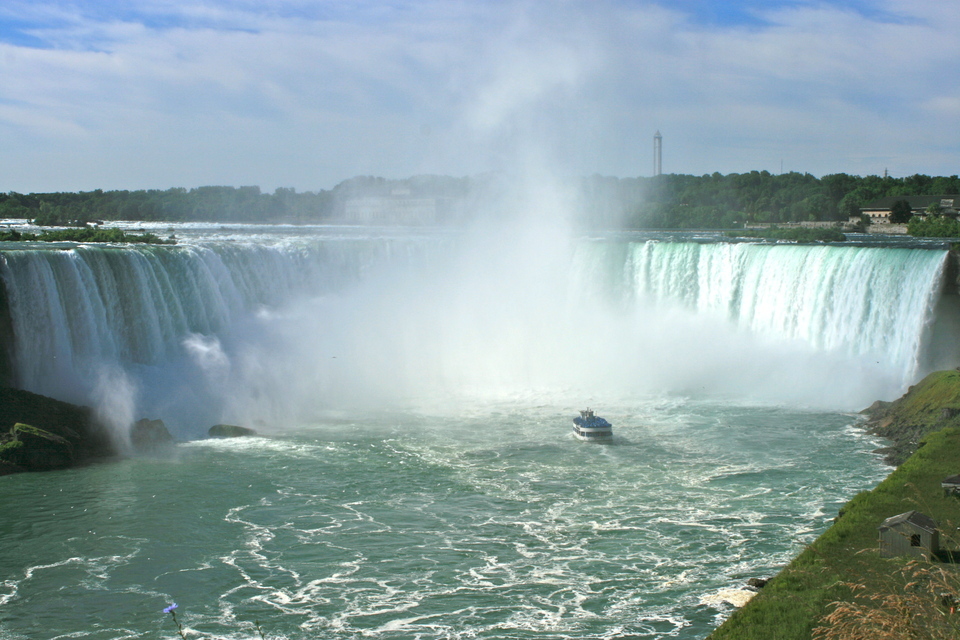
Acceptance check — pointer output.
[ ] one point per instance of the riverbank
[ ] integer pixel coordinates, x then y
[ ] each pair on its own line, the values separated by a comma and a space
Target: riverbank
930, 405
844, 565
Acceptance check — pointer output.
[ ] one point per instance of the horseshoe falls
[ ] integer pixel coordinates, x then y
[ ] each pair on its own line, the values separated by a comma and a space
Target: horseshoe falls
415, 475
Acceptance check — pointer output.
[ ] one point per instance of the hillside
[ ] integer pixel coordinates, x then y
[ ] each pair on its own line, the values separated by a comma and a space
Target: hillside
931, 404
844, 565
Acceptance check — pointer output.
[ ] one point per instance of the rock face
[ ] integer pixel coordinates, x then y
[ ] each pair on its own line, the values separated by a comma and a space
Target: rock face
39, 433
150, 436
29, 447
930, 405
229, 431
7, 378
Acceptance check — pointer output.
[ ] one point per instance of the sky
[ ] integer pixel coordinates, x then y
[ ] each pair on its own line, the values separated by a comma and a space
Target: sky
153, 94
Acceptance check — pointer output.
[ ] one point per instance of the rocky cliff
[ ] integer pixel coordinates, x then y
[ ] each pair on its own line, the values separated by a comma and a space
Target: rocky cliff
930, 405
39, 433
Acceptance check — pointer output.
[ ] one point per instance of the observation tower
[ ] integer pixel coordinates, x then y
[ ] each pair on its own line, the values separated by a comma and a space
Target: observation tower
657, 154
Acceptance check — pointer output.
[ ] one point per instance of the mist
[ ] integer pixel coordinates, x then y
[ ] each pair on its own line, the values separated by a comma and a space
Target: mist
501, 312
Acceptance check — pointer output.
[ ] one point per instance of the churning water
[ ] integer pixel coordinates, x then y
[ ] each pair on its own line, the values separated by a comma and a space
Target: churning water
417, 476
494, 524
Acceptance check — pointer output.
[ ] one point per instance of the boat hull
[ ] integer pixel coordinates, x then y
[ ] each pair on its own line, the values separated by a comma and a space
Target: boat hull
603, 434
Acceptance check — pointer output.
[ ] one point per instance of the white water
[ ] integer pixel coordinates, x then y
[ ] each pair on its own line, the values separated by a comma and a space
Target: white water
282, 327
421, 480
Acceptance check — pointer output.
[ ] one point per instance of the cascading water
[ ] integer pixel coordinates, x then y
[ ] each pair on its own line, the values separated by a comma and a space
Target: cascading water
202, 326
85, 313
420, 478
870, 302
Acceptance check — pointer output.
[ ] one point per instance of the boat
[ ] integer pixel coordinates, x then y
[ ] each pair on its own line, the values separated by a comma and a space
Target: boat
592, 428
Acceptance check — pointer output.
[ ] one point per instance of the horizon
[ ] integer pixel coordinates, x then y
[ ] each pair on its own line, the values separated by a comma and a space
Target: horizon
136, 95
467, 177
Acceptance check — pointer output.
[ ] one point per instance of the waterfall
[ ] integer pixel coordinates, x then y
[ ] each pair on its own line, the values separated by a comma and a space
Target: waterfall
75, 311
872, 302
193, 325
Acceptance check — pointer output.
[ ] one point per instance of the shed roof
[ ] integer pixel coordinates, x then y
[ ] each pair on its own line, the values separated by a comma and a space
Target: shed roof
915, 518
916, 202
952, 480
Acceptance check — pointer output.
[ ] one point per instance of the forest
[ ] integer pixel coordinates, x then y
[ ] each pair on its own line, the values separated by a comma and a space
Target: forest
728, 201
673, 201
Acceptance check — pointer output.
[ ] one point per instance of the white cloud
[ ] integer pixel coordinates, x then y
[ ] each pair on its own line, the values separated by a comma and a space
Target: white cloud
296, 93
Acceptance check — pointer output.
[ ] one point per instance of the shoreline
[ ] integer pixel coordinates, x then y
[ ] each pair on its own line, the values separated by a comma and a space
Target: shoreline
842, 570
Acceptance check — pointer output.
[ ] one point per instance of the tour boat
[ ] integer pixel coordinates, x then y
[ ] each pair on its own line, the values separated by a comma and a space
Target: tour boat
591, 428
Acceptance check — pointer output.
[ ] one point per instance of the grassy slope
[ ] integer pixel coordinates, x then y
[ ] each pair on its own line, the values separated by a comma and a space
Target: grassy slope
791, 604
933, 403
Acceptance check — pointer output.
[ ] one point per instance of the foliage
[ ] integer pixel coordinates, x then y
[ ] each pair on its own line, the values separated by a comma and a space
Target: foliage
934, 227
798, 234
920, 602
900, 212
217, 203
84, 234
672, 201
717, 201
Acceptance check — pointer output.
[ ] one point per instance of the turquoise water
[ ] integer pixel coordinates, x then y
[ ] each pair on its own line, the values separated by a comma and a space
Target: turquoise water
417, 476
494, 523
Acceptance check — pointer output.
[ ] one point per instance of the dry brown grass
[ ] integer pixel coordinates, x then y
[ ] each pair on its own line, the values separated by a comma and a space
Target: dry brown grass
921, 603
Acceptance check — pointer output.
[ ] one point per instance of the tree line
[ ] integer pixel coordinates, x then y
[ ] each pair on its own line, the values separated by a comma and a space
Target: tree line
672, 201
718, 201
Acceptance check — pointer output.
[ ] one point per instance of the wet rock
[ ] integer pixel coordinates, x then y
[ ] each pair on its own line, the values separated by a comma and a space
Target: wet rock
877, 407
229, 431
150, 436
949, 413
757, 583
40, 434
33, 449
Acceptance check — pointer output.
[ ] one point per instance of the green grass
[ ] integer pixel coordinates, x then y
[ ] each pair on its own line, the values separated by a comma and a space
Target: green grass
795, 601
919, 412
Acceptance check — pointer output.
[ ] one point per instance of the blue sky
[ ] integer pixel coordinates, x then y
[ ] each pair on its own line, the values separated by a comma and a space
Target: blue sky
305, 93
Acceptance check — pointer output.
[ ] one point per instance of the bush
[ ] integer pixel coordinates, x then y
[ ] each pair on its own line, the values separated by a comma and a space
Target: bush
798, 234
85, 234
934, 227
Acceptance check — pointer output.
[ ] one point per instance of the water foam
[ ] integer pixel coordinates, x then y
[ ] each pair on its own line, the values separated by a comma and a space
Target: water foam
283, 329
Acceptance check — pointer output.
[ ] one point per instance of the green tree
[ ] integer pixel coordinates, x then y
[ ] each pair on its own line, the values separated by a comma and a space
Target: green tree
900, 212
934, 227
849, 205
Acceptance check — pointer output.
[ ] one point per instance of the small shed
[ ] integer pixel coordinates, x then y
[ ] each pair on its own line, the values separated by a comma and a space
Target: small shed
951, 486
909, 534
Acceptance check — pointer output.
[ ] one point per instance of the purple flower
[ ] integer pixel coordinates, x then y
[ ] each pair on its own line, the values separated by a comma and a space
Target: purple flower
170, 608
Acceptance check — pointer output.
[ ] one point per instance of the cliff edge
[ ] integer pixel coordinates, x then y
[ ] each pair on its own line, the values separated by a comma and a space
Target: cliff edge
930, 405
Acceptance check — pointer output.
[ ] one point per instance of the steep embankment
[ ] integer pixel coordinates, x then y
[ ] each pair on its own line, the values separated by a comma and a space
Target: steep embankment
844, 565
930, 405
39, 433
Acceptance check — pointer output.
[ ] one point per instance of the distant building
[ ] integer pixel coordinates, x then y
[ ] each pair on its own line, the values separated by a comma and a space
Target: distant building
951, 486
399, 208
879, 210
909, 534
